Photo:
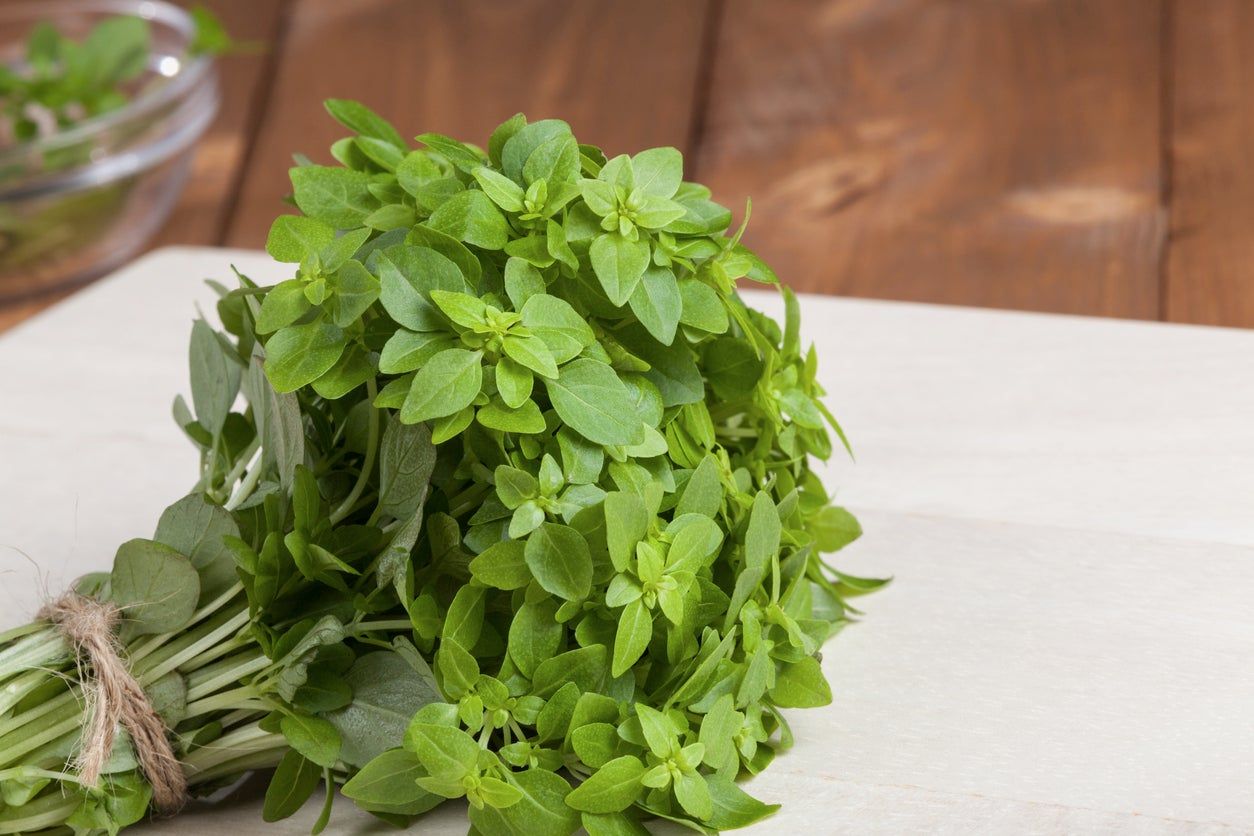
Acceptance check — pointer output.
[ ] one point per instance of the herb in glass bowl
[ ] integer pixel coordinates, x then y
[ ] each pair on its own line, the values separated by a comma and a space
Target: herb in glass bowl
99, 112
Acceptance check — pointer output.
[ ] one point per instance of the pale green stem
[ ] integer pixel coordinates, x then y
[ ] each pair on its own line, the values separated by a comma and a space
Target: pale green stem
240, 466
232, 673
23, 772
17, 632
213, 655
247, 762
369, 626
251, 738
248, 485
372, 444
238, 699
160, 669
25, 718
36, 650
31, 742
42, 813
149, 645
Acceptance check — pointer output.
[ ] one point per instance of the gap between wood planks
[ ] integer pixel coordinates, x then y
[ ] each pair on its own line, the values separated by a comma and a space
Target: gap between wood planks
1166, 117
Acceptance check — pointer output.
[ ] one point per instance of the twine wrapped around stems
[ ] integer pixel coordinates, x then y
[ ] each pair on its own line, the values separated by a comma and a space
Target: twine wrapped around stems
114, 697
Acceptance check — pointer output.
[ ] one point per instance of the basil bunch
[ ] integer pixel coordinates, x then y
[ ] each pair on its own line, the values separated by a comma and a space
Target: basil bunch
517, 506
621, 583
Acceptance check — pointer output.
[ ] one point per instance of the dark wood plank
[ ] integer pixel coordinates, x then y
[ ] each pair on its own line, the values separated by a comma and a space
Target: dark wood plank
623, 74
200, 217
1210, 265
1000, 152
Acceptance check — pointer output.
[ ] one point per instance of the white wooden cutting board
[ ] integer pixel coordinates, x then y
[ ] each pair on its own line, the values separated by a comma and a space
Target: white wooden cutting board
1067, 505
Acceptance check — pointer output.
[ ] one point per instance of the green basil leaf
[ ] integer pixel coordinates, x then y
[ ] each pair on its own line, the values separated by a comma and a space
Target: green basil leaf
554, 161
446, 384
618, 264
611, 788
470, 216
155, 587
693, 795
356, 289
362, 120
502, 566
519, 147
513, 382
386, 692
300, 354
313, 737
559, 560
704, 491
283, 304
293, 782
801, 685
524, 419
534, 635
407, 351
444, 752
763, 535
293, 238
197, 528
658, 171
338, 196
532, 353
560, 326
388, 783
732, 807
540, 808
407, 276
504, 192
732, 367
586, 667
833, 528
593, 401
657, 304
635, 629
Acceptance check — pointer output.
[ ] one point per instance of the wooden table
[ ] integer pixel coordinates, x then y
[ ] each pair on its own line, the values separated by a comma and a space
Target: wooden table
1051, 155
1067, 504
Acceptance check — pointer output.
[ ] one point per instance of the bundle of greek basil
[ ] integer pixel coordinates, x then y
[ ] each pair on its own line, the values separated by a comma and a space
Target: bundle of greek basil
520, 508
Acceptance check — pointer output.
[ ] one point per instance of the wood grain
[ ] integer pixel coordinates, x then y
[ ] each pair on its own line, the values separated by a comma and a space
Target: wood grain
201, 214
1052, 155
1002, 152
623, 74
1210, 268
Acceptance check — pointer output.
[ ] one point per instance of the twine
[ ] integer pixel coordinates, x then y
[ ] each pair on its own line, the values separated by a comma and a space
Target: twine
114, 697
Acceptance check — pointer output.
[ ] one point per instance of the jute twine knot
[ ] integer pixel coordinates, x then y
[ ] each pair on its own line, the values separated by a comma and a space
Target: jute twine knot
114, 697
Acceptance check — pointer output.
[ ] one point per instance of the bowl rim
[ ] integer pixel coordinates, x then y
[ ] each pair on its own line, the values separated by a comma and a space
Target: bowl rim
192, 73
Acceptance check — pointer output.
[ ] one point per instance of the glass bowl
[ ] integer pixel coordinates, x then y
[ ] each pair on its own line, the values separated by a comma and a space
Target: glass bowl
79, 202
